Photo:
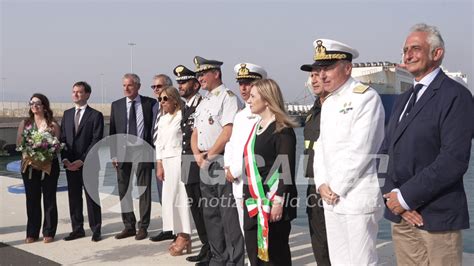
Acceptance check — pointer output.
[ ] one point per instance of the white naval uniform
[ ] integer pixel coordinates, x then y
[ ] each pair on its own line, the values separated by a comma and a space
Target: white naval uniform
352, 130
234, 154
175, 209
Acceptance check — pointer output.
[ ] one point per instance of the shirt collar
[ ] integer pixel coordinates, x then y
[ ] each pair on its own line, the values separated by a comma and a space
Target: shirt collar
137, 99
216, 91
192, 101
82, 107
426, 80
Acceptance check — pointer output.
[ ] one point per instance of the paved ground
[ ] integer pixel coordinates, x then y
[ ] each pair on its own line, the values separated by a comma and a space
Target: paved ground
110, 251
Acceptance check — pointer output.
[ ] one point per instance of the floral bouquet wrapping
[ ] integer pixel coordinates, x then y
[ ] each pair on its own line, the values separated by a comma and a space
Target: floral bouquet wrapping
38, 149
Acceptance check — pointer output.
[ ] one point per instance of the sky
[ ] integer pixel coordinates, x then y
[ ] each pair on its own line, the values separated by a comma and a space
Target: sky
46, 46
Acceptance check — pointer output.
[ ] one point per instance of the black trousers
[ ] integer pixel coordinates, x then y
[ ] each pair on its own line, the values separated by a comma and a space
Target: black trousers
222, 221
194, 196
75, 183
124, 176
278, 244
317, 226
34, 187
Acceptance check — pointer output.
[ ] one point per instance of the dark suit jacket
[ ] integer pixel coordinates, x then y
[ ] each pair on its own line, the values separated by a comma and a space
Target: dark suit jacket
90, 131
190, 169
429, 153
118, 121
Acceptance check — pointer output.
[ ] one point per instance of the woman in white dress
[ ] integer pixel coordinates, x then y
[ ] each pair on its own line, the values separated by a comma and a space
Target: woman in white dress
175, 208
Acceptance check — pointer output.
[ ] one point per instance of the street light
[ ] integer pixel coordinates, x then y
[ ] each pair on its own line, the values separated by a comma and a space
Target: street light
102, 86
131, 44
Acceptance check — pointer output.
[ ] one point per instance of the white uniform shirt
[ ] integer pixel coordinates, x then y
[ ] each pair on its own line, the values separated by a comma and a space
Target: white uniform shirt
234, 149
352, 130
217, 109
169, 140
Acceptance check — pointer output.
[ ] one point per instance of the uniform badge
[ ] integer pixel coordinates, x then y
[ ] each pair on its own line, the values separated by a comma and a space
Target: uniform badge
211, 121
347, 107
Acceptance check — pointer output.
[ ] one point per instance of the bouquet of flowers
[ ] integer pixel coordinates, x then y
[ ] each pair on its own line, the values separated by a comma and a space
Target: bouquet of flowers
38, 149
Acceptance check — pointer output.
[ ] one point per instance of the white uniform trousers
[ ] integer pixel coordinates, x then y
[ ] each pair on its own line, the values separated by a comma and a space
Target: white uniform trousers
352, 237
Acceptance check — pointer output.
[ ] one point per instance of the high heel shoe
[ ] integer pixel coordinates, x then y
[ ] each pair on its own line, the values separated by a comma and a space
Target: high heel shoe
181, 246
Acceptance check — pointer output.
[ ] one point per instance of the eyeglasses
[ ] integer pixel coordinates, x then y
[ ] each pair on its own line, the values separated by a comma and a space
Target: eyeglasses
154, 87
35, 104
200, 74
164, 99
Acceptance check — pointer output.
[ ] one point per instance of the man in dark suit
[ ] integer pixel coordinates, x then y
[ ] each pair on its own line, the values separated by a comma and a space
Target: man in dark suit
132, 115
81, 128
428, 141
160, 82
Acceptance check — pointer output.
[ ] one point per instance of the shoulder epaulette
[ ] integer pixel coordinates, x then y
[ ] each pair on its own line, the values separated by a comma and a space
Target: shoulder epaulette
231, 93
360, 88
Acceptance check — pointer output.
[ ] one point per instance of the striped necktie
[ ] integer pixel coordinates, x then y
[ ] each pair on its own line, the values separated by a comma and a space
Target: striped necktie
77, 117
155, 128
412, 101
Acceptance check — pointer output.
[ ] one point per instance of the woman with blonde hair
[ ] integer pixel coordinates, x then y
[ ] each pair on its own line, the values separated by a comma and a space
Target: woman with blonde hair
270, 190
168, 145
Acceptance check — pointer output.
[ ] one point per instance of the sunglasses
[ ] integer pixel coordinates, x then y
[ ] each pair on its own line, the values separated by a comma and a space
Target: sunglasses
164, 99
35, 104
154, 87
200, 74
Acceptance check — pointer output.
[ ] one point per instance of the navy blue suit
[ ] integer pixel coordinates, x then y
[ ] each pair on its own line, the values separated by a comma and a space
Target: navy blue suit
429, 153
79, 143
156, 111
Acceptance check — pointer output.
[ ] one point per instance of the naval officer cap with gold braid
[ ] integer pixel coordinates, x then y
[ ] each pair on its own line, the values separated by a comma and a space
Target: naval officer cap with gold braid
249, 72
183, 73
328, 52
203, 64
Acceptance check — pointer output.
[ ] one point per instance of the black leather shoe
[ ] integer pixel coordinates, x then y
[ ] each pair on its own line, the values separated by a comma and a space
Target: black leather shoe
126, 233
163, 236
142, 234
203, 256
202, 263
74, 235
96, 238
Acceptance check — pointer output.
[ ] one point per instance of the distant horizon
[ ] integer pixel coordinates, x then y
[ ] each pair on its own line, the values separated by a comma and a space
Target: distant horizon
46, 46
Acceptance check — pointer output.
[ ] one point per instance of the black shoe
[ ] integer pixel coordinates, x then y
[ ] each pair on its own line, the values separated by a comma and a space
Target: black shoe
163, 236
74, 235
126, 233
142, 234
202, 263
96, 238
203, 256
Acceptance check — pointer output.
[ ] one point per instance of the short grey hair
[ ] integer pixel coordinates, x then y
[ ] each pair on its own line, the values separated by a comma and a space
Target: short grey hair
132, 76
168, 81
434, 36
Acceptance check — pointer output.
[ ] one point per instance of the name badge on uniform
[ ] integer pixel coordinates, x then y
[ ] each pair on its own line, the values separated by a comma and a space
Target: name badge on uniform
211, 121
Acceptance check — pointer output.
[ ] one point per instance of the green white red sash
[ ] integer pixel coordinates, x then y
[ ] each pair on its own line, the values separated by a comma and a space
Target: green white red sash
259, 204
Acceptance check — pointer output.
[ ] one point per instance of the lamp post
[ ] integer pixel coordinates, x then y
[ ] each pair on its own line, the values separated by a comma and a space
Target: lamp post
131, 44
102, 86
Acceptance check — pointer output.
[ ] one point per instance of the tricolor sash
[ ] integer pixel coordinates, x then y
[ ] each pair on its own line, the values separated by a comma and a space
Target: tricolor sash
259, 204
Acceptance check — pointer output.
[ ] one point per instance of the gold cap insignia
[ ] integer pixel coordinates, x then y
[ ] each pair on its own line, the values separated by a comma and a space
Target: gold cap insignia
243, 71
196, 63
179, 70
320, 53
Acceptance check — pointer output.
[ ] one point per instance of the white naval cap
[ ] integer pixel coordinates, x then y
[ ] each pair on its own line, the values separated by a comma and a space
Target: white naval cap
249, 71
328, 52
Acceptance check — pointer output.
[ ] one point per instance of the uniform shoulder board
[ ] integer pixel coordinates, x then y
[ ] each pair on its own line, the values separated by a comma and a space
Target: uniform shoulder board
360, 88
231, 93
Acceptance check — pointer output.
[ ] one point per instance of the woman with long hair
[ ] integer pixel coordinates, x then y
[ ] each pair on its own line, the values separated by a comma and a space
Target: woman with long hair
270, 190
175, 209
40, 178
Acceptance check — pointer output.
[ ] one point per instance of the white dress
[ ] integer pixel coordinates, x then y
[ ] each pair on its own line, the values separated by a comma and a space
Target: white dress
175, 210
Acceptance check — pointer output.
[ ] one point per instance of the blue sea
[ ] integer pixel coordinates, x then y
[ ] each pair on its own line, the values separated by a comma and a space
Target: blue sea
302, 220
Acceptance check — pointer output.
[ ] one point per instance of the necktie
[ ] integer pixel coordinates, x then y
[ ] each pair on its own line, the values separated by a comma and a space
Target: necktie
155, 128
412, 101
77, 117
132, 120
